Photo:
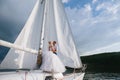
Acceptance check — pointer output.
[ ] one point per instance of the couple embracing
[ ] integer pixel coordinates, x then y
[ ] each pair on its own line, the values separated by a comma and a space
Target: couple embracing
50, 60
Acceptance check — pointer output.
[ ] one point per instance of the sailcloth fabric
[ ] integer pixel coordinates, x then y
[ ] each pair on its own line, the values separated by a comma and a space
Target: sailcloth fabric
56, 28
49, 24
67, 50
30, 38
50, 15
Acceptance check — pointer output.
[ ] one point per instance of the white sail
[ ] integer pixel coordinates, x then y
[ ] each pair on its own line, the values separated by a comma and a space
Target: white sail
51, 15
56, 28
29, 37
67, 48
49, 24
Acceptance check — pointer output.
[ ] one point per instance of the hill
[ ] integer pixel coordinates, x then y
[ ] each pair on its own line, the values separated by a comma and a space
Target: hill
104, 62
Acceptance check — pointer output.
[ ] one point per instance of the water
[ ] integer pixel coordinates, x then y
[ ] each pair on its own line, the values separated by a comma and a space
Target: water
88, 75
102, 76
105, 66
91, 74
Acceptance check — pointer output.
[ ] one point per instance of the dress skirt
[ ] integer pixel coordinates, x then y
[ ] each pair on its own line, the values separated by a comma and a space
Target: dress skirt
51, 62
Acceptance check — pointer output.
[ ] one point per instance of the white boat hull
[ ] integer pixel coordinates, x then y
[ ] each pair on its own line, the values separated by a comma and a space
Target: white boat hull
76, 76
36, 75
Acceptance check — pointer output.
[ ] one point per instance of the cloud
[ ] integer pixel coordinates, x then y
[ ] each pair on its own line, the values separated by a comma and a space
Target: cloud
109, 48
16, 10
94, 1
65, 1
95, 27
108, 7
13, 15
88, 7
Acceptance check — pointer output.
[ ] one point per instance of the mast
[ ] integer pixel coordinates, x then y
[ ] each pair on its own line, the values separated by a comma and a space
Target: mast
43, 23
39, 56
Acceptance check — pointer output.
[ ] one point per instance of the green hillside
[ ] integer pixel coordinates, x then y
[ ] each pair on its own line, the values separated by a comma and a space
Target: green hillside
105, 62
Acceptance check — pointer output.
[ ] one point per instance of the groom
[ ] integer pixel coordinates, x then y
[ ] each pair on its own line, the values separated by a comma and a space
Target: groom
52, 47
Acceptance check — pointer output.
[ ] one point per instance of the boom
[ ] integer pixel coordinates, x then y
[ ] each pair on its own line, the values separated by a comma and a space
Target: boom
11, 45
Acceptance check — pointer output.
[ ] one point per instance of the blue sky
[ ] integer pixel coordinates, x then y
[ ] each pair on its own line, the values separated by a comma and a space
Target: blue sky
95, 23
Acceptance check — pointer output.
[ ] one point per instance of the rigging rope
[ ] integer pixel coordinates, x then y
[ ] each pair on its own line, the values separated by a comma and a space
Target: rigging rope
26, 75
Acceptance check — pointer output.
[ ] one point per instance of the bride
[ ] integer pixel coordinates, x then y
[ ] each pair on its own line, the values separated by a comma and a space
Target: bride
50, 61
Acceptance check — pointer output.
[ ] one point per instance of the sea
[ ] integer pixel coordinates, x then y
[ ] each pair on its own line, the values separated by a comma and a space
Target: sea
102, 76
97, 76
91, 74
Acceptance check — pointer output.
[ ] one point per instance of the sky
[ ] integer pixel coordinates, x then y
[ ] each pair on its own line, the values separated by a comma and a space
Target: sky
95, 23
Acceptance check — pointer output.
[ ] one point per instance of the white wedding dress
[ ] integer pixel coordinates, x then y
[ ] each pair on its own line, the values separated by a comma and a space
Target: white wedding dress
51, 63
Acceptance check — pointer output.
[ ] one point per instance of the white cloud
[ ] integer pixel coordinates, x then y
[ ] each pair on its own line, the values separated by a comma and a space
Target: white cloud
94, 1
118, 32
88, 7
65, 1
115, 47
108, 7
101, 6
96, 32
